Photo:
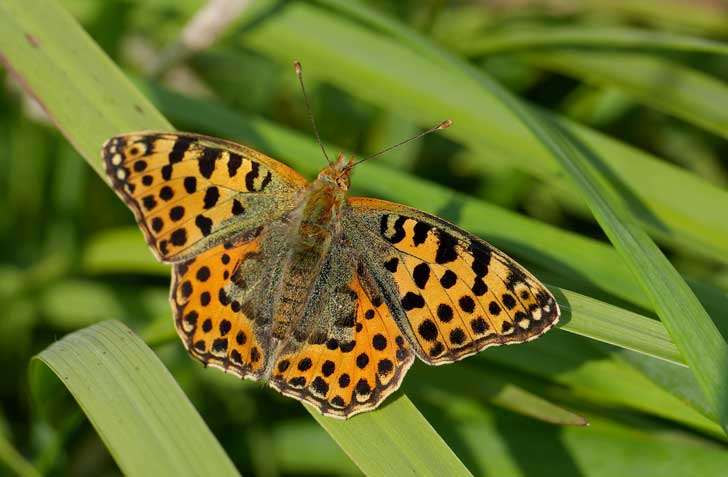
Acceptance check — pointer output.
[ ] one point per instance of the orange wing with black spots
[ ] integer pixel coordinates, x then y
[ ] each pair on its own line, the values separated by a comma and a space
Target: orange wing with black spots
453, 293
208, 299
190, 192
345, 376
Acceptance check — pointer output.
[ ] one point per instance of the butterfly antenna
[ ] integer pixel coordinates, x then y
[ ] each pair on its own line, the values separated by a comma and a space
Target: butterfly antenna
443, 125
308, 109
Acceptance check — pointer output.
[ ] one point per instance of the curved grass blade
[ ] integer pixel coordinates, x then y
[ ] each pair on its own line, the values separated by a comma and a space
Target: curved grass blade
538, 37
404, 449
610, 324
135, 405
80, 88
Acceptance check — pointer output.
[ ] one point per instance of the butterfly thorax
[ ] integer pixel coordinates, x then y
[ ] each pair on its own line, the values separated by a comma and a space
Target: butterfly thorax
313, 225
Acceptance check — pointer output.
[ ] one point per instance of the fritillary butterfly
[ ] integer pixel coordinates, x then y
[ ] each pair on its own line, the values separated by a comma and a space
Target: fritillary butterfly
327, 298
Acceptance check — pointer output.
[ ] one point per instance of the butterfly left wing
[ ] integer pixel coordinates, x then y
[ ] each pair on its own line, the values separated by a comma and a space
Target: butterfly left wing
451, 293
191, 192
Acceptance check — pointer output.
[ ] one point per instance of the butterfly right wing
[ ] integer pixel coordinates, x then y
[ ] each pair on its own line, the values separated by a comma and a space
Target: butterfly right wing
452, 293
191, 192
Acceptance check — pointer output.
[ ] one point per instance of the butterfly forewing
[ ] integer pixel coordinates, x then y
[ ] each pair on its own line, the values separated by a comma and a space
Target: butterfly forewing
452, 293
190, 192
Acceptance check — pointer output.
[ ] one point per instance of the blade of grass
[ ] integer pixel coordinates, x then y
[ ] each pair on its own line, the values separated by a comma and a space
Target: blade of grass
537, 36
412, 440
617, 326
90, 100
135, 405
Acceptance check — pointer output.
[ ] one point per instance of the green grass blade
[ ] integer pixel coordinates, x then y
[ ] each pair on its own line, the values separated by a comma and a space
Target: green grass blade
667, 86
610, 324
692, 329
404, 449
535, 37
81, 89
136, 406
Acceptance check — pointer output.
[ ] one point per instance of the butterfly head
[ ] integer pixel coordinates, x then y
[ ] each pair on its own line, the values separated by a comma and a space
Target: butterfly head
337, 174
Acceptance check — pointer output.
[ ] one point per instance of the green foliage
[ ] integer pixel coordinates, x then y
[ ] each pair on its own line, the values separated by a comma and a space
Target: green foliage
556, 114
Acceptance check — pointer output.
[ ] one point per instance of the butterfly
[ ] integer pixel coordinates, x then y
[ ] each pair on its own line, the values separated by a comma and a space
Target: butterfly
326, 297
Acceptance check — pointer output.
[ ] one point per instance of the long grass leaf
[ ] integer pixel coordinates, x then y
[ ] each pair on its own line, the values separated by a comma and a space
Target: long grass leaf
136, 406
404, 449
539, 37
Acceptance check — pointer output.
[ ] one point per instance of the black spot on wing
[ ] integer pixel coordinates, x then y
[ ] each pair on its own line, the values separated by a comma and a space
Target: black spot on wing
206, 162
204, 224
446, 251
252, 175
181, 145
421, 229
234, 163
421, 274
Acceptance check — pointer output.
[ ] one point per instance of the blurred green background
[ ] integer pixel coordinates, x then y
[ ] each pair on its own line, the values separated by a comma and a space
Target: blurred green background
644, 81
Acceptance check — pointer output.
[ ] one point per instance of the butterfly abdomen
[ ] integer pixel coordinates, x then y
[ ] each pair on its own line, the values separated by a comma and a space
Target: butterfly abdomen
310, 240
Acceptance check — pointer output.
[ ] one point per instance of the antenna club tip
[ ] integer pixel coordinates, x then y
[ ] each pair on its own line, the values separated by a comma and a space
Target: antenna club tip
445, 124
297, 65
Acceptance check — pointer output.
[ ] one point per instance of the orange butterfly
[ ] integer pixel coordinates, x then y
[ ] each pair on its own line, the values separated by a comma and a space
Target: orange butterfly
327, 298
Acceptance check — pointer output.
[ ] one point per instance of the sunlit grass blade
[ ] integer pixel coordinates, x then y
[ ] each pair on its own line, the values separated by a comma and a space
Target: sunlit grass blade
536, 36
691, 328
136, 406
617, 326
80, 88
399, 450
665, 85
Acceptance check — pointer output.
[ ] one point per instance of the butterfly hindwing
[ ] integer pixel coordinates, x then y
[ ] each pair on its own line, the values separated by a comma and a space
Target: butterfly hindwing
211, 315
347, 354
190, 192
453, 293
